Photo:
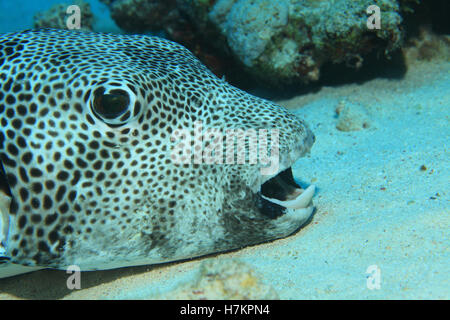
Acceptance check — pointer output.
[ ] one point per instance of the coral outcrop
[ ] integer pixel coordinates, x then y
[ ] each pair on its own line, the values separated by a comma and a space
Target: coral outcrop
289, 40
279, 42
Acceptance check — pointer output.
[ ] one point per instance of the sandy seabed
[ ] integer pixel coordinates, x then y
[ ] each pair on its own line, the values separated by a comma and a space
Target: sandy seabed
382, 203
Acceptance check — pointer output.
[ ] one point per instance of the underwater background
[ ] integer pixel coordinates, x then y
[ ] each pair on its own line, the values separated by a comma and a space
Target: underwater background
377, 98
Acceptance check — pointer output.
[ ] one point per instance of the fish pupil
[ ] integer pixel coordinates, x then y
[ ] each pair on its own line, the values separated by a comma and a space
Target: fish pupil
111, 105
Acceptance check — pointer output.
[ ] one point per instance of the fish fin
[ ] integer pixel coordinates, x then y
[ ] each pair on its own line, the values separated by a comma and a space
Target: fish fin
8, 269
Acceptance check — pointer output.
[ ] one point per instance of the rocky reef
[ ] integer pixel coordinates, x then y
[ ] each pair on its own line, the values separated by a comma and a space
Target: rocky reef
276, 42
288, 40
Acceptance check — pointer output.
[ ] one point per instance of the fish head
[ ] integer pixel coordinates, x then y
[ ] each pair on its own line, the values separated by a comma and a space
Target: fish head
125, 150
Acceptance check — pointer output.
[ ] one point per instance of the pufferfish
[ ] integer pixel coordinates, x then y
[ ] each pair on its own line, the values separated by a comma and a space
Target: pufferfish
87, 172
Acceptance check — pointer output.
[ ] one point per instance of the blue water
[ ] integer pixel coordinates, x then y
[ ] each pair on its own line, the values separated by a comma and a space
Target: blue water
18, 15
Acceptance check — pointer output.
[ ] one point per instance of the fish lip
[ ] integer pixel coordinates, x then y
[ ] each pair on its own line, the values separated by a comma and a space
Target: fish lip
289, 157
263, 178
277, 186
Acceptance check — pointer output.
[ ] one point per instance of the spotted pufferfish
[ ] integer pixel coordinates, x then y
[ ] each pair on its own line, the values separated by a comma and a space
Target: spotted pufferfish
86, 173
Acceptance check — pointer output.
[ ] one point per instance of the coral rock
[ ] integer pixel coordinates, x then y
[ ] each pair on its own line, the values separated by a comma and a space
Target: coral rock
223, 279
279, 42
56, 17
352, 117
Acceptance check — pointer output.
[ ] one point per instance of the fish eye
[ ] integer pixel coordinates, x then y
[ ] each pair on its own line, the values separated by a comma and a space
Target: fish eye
111, 107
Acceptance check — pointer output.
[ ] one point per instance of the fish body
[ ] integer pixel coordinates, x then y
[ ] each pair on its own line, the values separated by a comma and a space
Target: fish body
89, 125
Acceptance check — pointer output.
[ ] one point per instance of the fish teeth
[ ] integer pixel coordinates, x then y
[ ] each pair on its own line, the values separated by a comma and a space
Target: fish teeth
302, 201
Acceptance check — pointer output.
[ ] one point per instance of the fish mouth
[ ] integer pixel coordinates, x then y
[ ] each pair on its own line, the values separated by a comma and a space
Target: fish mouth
281, 195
